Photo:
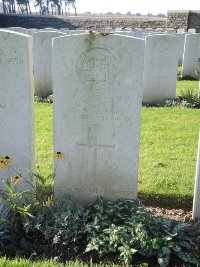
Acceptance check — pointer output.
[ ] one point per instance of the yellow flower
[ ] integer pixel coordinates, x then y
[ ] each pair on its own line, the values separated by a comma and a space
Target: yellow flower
16, 178
8, 159
59, 155
2, 164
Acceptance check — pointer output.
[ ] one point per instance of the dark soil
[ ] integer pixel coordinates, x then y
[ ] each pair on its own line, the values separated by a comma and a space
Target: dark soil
177, 215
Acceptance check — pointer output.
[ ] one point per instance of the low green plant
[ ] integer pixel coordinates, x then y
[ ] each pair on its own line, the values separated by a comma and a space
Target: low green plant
40, 99
126, 228
18, 211
5, 223
59, 227
190, 97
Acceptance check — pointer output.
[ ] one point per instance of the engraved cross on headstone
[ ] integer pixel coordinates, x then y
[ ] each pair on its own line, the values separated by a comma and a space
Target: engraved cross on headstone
93, 143
160, 77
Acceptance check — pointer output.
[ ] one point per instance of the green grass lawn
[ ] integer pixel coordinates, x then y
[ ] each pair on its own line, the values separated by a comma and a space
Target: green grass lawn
17, 262
44, 138
168, 150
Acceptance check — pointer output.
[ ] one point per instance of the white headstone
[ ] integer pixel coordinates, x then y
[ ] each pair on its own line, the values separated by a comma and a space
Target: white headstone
160, 67
31, 31
170, 30
148, 29
17, 29
16, 105
191, 57
97, 101
72, 32
159, 30
125, 33
42, 57
49, 29
191, 30
180, 30
109, 30
138, 33
196, 200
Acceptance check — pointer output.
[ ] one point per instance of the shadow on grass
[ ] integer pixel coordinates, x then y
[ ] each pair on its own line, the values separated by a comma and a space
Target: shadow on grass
166, 201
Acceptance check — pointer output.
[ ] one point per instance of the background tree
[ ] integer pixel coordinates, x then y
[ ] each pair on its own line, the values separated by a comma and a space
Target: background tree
43, 7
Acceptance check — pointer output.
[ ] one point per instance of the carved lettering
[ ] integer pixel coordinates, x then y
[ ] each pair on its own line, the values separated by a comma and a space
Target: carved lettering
109, 192
4, 59
97, 107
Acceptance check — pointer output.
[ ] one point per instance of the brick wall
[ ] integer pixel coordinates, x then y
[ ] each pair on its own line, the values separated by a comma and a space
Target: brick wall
178, 19
72, 22
186, 19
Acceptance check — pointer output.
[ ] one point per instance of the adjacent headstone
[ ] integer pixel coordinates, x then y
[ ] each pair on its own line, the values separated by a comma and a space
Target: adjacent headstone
181, 47
42, 57
16, 105
109, 30
160, 67
80, 31
72, 32
97, 101
65, 31
160, 30
148, 29
17, 29
31, 31
49, 29
191, 58
180, 30
170, 30
138, 33
124, 33
196, 200
191, 30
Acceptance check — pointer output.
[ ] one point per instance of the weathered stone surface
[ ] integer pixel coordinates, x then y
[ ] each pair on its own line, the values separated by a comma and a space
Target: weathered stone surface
196, 201
16, 105
42, 57
17, 29
191, 30
191, 58
97, 101
160, 67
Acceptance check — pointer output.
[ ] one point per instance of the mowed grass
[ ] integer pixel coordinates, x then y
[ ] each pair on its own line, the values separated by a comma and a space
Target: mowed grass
168, 150
44, 138
4, 262
183, 86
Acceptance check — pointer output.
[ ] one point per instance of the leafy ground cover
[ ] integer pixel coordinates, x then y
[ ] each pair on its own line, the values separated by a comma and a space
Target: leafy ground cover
122, 232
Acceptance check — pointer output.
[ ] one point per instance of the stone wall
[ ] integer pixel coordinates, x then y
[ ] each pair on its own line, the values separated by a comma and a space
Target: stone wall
186, 19
177, 19
72, 22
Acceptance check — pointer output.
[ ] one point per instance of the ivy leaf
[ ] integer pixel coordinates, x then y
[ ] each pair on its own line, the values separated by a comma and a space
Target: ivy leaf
2, 220
187, 257
163, 259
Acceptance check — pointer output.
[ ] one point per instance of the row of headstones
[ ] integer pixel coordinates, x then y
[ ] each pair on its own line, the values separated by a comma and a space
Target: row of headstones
160, 69
106, 29
97, 109
159, 72
159, 82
